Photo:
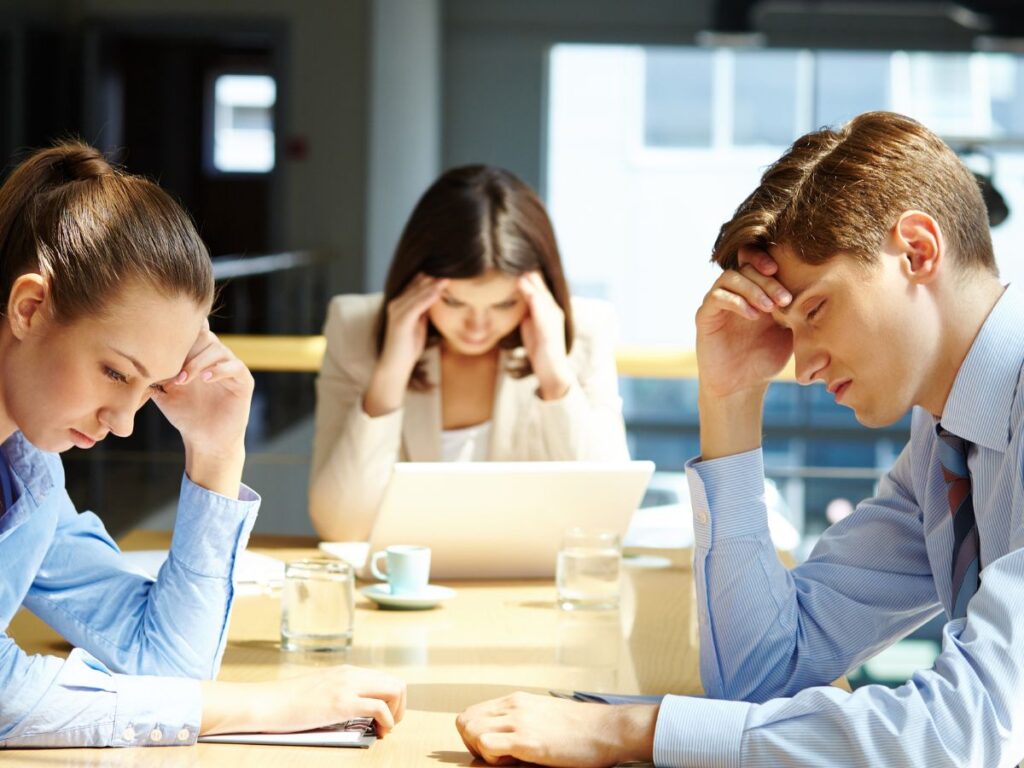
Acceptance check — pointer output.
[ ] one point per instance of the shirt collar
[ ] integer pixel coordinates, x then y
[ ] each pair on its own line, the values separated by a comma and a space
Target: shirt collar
979, 405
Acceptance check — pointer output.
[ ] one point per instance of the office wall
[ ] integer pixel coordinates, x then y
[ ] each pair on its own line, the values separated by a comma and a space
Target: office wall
405, 121
494, 67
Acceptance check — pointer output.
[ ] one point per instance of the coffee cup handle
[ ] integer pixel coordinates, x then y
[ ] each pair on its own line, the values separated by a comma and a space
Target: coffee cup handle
374, 569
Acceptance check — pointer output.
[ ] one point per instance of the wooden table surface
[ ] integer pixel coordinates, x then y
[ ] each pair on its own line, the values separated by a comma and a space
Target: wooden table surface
491, 639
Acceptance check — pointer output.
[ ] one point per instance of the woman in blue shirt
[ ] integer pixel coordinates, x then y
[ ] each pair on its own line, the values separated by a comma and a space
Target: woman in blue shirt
107, 288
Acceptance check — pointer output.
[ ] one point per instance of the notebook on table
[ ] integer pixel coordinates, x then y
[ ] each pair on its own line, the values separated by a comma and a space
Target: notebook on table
358, 732
498, 520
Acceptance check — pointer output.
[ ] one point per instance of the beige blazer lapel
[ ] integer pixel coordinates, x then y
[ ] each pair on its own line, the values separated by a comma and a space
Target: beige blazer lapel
421, 423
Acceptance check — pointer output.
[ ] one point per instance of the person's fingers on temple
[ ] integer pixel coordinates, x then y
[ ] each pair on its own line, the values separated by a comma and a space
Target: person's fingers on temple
759, 258
526, 288
541, 287
225, 371
778, 293
720, 299
425, 294
740, 284
214, 353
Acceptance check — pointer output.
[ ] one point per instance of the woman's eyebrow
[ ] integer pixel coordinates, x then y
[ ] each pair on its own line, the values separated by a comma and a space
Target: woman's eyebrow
138, 366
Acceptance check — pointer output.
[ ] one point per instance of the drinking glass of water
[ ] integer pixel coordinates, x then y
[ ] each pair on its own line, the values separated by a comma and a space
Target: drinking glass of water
317, 605
587, 572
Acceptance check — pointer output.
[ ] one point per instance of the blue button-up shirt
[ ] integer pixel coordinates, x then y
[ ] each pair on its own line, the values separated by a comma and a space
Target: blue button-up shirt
771, 639
126, 628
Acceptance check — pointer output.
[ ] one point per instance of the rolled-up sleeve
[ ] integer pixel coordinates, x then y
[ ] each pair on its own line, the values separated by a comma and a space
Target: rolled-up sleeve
176, 625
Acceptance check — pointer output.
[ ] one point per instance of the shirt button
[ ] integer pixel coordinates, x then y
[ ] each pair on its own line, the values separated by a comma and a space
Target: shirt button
183, 734
702, 517
128, 733
155, 735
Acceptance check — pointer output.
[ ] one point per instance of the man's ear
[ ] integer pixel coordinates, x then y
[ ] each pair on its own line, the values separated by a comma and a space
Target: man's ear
25, 304
917, 239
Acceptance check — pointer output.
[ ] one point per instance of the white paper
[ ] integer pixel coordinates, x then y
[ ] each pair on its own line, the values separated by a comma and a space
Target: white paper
351, 734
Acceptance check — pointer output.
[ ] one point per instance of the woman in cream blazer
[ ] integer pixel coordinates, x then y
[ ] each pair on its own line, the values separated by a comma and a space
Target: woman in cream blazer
552, 396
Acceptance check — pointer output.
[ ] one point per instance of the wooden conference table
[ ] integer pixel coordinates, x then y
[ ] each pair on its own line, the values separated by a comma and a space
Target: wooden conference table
493, 638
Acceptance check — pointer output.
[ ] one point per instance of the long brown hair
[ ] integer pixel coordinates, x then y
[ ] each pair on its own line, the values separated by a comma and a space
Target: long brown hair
89, 228
841, 192
473, 219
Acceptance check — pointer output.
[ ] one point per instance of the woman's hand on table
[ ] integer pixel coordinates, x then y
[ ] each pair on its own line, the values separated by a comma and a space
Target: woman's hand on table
314, 700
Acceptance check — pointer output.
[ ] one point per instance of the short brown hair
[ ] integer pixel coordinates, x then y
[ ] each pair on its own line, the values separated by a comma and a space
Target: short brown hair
89, 228
841, 192
472, 219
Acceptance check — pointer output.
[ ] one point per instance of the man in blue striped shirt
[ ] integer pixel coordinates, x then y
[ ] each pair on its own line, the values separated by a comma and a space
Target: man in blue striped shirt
864, 252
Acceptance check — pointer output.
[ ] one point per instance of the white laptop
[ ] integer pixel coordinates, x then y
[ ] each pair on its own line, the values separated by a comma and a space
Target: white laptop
494, 520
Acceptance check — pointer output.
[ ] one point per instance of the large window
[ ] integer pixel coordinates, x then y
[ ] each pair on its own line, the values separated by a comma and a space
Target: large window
651, 149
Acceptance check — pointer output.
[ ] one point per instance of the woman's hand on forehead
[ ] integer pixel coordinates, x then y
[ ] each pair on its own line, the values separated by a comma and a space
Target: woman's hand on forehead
209, 401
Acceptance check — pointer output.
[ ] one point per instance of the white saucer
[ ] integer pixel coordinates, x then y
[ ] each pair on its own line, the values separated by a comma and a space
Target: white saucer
428, 597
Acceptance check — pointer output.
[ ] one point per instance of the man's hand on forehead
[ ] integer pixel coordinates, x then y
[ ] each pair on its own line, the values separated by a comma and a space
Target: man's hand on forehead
752, 257
758, 258
741, 345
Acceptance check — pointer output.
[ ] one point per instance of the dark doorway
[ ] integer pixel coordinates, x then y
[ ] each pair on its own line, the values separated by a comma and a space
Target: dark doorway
153, 103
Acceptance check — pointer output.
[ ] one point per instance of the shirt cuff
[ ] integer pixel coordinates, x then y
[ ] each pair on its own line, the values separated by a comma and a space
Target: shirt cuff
699, 733
86, 705
209, 528
727, 496
144, 718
